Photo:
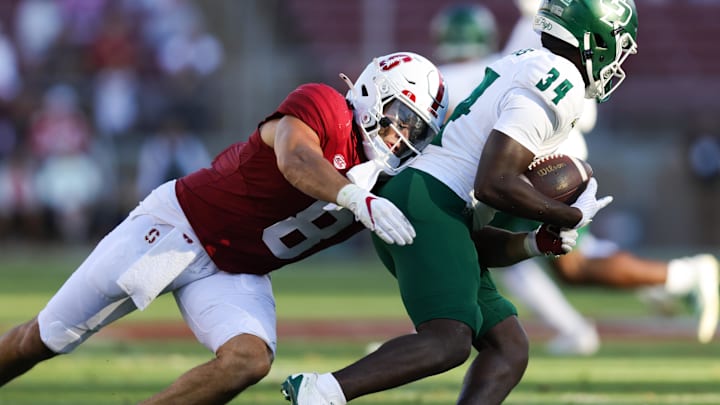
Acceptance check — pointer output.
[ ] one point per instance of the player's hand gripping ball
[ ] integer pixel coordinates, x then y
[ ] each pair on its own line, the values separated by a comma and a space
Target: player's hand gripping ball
560, 177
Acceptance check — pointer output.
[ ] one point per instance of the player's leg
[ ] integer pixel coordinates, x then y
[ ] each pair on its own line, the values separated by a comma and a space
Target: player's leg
87, 301
502, 346
499, 365
20, 350
528, 282
239, 363
695, 276
234, 316
438, 276
438, 345
601, 262
619, 270
698, 277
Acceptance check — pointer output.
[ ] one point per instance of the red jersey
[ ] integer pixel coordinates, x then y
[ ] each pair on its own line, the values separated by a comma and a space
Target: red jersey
247, 216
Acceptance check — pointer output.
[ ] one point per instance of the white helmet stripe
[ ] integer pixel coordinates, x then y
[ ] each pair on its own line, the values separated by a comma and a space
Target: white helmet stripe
543, 24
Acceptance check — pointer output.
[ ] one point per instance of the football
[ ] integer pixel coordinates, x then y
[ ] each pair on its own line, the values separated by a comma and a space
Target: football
560, 177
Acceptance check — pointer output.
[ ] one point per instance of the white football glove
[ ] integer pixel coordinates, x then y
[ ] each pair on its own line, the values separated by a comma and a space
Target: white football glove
588, 204
377, 214
549, 240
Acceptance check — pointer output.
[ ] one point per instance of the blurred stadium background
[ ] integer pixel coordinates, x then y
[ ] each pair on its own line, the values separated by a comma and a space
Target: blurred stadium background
102, 100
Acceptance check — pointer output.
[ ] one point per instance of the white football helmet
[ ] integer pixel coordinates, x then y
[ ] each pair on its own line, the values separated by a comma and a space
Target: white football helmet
403, 92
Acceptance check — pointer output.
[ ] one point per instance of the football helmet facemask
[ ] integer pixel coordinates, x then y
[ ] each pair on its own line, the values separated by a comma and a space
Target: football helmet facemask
402, 92
463, 32
604, 31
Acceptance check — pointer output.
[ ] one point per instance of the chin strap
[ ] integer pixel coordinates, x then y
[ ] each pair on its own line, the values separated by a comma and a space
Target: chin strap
592, 89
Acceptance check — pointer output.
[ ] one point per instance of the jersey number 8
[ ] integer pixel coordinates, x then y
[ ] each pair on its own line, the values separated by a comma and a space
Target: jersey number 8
305, 227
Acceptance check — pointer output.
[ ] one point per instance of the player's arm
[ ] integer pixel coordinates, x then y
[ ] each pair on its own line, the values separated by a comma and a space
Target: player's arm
498, 184
300, 159
498, 247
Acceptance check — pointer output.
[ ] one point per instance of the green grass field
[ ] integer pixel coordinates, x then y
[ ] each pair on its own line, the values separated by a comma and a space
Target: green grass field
108, 371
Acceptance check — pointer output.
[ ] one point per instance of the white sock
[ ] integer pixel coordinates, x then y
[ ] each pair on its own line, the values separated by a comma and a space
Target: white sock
681, 277
530, 284
330, 388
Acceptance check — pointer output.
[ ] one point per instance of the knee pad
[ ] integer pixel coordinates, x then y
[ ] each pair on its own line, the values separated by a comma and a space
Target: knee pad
60, 338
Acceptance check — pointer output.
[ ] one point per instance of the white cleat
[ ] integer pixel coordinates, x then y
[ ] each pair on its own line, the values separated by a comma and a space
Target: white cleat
659, 300
301, 389
706, 294
583, 342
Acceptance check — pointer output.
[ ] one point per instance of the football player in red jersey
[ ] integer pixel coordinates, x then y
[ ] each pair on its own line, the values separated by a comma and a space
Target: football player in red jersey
212, 237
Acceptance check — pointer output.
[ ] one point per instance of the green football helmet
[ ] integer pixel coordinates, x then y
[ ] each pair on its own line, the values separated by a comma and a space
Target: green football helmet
604, 31
463, 32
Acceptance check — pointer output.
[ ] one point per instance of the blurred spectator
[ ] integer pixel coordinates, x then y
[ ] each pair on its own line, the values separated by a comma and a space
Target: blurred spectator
10, 80
83, 19
69, 187
187, 58
38, 26
166, 18
193, 49
703, 146
115, 58
80, 80
59, 127
21, 213
8, 135
173, 151
69, 180
704, 156
115, 102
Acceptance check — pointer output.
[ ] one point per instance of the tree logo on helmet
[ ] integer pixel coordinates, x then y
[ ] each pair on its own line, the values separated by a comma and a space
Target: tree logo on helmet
543, 23
393, 61
616, 12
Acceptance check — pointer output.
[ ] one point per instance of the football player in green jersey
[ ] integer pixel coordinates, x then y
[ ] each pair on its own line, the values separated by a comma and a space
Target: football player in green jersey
525, 107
